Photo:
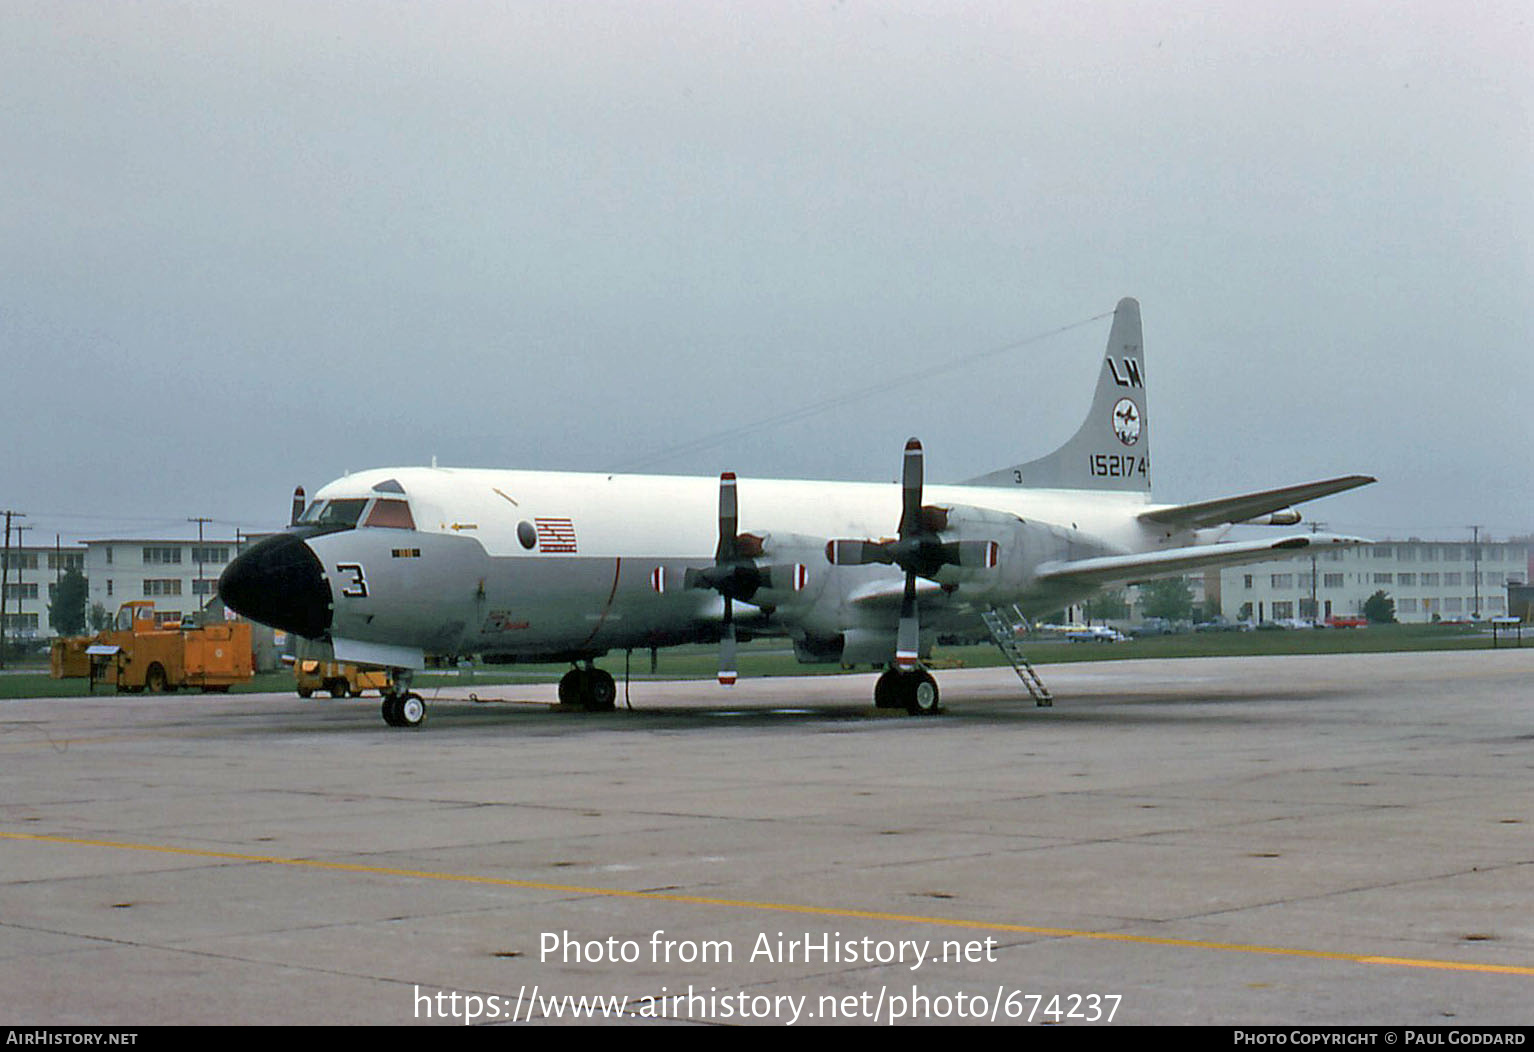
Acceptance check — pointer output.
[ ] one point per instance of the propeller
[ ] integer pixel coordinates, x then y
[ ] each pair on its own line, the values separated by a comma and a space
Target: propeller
298, 505
914, 553
739, 573
734, 574
918, 549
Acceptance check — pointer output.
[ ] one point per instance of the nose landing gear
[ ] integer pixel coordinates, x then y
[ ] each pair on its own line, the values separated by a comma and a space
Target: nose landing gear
404, 710
401, 706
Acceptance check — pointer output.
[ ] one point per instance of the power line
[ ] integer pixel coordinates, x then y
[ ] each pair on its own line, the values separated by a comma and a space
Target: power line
846, 398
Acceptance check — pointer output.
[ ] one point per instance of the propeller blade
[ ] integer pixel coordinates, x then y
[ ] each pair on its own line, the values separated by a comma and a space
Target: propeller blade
727, 647
857, 553
298, 505
789, 577
910, 489
729, 518
908, 637
980, 555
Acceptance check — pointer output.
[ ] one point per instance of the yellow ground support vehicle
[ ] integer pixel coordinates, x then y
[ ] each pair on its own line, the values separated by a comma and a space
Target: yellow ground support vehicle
137, 654
338, 677
68, 659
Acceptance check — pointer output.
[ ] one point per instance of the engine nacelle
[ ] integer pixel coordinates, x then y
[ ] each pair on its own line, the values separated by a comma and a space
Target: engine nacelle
1021, 546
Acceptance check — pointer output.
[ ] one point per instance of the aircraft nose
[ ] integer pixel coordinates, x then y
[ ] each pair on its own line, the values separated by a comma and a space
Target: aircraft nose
279, 582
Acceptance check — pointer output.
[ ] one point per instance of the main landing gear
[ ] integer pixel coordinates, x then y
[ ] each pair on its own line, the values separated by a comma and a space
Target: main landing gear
401, 706
915, 691
590, 688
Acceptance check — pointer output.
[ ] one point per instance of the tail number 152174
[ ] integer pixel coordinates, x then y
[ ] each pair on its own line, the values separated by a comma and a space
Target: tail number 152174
1118, 465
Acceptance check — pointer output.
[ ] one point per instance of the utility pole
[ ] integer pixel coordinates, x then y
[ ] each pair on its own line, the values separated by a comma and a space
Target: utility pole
1475, 554
5, 573
1315, 611
21, 588
199, 587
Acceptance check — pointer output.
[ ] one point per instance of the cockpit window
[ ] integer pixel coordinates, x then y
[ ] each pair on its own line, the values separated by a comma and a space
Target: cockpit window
339, 512
312, 511
393, 514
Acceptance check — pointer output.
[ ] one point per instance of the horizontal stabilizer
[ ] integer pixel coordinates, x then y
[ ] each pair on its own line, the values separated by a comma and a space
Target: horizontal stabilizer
1248, 505
1113, 569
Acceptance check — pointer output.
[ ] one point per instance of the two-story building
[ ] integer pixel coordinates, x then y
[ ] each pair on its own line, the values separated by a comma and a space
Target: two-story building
180, 576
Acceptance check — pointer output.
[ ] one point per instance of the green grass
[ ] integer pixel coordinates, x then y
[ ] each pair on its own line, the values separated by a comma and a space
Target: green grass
775, 658
1372, 640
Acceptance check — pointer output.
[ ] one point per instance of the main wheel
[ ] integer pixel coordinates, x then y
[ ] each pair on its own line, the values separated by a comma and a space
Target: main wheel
390, 709
571, 687
601, 694
411, 710
920, 693
887, 690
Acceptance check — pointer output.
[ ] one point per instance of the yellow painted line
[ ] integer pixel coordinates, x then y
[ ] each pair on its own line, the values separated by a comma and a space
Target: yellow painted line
785, 907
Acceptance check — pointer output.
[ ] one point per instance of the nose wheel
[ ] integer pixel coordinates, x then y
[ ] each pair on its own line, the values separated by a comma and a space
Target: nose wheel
404, 710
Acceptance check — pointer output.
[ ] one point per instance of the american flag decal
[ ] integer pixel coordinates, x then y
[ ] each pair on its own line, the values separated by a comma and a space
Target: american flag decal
555, 535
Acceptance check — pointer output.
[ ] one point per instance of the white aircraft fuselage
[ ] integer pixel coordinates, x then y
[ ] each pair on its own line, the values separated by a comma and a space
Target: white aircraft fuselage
394, 564
614, 577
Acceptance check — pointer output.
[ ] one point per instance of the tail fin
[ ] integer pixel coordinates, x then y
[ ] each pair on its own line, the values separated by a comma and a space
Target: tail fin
1111, 450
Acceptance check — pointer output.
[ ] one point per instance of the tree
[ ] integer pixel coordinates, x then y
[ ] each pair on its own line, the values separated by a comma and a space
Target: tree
1169, 597
101, 618
1380, 609
67, 609
1110, 604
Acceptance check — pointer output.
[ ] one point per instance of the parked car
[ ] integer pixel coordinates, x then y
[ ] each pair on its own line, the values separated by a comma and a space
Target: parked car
1096, 634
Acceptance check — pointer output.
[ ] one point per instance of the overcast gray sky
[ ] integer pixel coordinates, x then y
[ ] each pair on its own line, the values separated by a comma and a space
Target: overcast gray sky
250, 245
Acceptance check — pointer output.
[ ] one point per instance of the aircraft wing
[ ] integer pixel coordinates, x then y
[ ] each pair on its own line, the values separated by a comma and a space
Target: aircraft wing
1110, 569
1248, 505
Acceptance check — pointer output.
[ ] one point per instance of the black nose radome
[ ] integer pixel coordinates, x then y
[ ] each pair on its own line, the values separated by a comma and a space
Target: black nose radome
279, 582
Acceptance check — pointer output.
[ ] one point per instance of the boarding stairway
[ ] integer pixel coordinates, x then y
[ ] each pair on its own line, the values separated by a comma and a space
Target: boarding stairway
1000, 626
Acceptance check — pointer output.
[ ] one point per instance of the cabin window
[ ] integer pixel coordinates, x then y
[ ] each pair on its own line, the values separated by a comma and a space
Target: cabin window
341, 512
392, 514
